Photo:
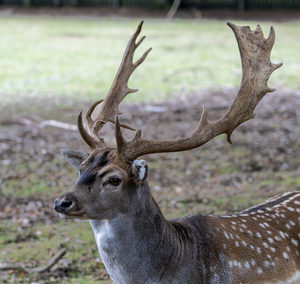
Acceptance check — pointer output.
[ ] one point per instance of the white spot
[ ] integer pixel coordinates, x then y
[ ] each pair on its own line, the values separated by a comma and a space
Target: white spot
224, 246
292, 223
244, 220
283, 236
288, 225
267, 263
250, 233
258, 250
244, 226
230, 263
288, 248
226, 235
237, 236
285, 255
269, 232
277, 238
253, 262
270, 240
260, 211
233, 227
254, 218
237, 244
295, 242
291, 208
268, 256
252, 247
259, 270
272, 249
262, 225
298, 210
244, 243
265, 245
231, 236
266, 224
247, 265
234, 223
258, 235
296, 202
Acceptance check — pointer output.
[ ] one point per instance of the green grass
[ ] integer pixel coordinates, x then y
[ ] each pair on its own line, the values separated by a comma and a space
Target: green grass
78, 58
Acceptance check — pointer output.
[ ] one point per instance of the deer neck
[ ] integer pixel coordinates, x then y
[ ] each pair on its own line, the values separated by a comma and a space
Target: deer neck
136, 245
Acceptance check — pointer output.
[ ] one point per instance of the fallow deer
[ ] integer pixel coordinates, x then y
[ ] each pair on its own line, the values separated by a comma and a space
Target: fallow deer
136, 243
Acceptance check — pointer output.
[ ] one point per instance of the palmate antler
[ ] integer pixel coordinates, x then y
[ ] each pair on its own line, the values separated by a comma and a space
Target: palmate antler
117, 93
255, 53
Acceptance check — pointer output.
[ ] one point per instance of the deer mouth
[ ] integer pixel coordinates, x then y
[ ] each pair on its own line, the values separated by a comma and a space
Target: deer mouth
73, 216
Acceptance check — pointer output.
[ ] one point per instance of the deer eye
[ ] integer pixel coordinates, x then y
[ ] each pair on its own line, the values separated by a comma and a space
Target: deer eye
114, 181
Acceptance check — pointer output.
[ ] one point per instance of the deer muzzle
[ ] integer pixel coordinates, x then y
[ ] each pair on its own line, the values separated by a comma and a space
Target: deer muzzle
67, 204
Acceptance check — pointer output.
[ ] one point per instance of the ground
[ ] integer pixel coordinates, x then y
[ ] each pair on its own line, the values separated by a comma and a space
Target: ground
218, 178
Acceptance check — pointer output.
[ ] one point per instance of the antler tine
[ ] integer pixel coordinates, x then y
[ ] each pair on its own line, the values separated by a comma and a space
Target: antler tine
255, 53
89, 139
117, 93
120, 89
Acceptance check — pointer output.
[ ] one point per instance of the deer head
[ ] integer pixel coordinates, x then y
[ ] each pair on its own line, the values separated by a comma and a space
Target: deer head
110, 178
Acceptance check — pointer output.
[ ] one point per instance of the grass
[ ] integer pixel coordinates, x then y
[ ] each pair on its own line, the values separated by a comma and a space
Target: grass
41, 242
78, 58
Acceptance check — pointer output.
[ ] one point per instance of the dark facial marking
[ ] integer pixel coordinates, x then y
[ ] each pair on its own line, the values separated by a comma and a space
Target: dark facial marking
101, 161
87, 177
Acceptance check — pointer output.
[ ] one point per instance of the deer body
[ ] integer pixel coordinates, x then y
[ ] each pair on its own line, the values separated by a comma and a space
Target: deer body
143, 247
136, 243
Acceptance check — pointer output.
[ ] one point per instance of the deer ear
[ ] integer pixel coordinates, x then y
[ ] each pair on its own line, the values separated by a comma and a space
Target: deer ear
139, 170
74, 158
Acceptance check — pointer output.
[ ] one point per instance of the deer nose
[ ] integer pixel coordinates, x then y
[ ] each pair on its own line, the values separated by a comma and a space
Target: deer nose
62, 206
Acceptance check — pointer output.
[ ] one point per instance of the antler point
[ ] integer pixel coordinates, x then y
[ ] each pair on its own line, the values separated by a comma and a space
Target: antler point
229, 138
